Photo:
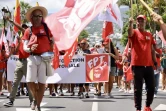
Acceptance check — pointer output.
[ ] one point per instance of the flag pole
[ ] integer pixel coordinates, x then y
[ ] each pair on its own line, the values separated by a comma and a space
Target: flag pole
131, 5
149, 9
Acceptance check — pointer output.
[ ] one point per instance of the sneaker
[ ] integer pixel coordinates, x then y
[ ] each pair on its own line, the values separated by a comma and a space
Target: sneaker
22, 92
79, 93
27, 94
107, 95
18, 94
8, 104
155, 96
121, 90
131, 91
111, 96
147, 109
1, 94
86, 95
73, 93
53, 94
37, 109
81, 96
8, 95
33, 105
98, 94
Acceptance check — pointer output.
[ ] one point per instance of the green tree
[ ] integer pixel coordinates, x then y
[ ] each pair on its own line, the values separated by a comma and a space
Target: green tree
83, 34
24, 7
138, 8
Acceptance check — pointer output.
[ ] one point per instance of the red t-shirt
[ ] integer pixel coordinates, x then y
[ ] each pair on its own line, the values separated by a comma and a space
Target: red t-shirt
2, 64
119, 66
21, 53
141, 48
125, 70
42, 40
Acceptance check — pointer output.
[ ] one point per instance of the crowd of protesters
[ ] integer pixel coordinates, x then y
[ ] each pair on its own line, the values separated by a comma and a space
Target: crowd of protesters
146, 69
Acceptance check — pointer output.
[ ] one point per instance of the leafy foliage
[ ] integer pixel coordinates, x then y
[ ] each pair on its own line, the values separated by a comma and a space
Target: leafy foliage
83, 34
138, 8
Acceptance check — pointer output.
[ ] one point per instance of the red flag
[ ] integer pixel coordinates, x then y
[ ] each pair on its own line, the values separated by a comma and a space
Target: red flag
125, 52
1, 39
107, 29
56, 57
70, 53
17, 18
129, 74
70, 3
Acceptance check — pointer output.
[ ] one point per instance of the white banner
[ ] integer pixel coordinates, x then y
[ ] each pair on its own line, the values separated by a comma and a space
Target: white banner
75, 73
11, 65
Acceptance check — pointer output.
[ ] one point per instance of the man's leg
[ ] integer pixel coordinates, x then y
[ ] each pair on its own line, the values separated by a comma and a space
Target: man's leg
150, 83
138, 83
18, 74
157, 77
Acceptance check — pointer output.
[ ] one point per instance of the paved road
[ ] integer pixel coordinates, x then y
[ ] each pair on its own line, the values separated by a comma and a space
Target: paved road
120, 102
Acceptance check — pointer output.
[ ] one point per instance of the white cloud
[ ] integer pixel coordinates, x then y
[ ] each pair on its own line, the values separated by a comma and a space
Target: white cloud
51, 5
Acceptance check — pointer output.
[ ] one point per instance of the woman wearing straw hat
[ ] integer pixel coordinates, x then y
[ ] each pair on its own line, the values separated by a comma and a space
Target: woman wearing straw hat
36, 67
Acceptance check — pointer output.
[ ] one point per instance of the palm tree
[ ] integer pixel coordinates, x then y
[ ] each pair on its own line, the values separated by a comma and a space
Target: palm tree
24, 7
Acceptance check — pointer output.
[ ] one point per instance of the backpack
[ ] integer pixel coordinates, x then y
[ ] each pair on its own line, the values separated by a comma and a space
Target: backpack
33, 38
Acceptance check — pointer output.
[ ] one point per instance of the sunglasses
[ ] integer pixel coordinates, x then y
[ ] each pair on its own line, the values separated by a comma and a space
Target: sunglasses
82, 43
97, 46
37, 16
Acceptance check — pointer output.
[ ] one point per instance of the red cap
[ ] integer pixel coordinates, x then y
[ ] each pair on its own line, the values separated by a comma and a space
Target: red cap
141, 16
106, 41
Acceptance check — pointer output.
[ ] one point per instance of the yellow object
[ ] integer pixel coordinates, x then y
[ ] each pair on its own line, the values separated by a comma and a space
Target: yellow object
37, 4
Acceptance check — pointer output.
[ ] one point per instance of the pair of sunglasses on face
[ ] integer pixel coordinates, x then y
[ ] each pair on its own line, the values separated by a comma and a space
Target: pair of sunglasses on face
37, 16
97, 46
82, 43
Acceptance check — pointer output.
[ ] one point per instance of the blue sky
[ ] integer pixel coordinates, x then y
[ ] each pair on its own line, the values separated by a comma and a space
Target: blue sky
51, 5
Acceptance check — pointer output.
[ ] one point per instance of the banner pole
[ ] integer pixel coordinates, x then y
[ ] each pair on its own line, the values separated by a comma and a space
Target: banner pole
131, 5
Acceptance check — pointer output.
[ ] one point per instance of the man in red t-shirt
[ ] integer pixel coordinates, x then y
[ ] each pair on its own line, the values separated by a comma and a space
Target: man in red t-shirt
37, 43
142, 61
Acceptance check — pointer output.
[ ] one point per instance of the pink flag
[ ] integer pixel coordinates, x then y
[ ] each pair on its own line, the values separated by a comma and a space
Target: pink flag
112, 14
70, 3
67, 24
160, 34
125, 52
1, 39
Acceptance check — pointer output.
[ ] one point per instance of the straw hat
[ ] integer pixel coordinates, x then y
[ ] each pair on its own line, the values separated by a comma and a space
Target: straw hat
29, 12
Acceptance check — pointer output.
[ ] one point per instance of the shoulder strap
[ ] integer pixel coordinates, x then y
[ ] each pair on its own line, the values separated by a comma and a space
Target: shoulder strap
30, 32
46, 30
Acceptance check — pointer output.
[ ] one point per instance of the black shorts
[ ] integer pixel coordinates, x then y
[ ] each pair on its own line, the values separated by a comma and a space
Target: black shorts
120, 72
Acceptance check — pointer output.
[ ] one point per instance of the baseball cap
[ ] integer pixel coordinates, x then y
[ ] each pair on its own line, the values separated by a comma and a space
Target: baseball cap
141, 16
